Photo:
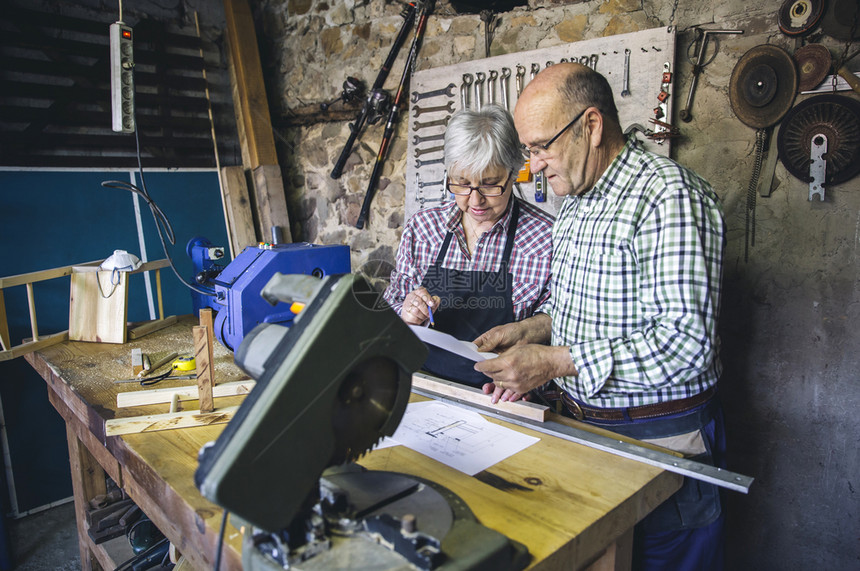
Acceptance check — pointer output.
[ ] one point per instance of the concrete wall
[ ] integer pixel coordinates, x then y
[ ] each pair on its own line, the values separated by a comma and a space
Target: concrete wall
790, 312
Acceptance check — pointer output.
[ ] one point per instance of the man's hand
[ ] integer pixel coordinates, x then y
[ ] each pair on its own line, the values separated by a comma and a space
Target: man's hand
535, 329
523, 368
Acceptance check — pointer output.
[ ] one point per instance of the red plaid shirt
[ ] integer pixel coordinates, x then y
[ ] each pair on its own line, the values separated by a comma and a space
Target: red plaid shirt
530, 259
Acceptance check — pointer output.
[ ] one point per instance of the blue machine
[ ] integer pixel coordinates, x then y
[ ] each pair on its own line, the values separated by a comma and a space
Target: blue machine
237, 285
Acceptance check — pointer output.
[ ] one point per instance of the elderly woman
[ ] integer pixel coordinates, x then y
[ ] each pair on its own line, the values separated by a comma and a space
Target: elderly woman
481, 261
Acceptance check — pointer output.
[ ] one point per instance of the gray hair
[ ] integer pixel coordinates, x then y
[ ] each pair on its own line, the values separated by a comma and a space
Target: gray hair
588, 88
478, 140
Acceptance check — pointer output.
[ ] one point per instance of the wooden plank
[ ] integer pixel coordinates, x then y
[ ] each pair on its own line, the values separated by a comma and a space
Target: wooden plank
205, 362
253, 106
522, 409
31, 304
237, 203
39, 276
139, 331
167, 421
30, 346
163, 396
271, 202
98, 309
5, 341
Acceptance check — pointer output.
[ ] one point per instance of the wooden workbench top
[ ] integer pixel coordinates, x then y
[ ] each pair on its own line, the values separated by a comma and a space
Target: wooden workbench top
566, 502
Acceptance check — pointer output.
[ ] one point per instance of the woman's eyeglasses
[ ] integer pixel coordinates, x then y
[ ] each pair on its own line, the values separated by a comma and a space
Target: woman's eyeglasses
488, 190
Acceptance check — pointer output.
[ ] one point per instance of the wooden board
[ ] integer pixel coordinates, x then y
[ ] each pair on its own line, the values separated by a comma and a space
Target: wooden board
98, 308
166, 395
271, 202
252, 109
445, 388
237, 203
168, 421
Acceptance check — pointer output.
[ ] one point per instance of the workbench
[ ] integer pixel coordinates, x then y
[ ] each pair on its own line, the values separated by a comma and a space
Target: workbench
571, 505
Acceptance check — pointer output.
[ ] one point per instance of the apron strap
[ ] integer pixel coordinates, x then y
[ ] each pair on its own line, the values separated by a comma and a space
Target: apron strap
509, 241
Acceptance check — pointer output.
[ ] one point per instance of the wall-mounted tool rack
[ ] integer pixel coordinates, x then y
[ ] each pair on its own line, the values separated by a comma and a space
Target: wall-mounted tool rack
436, 93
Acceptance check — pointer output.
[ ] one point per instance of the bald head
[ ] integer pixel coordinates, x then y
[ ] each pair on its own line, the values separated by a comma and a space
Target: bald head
567, 86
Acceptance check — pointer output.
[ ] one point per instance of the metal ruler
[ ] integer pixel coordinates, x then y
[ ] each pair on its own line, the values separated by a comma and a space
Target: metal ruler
689, 468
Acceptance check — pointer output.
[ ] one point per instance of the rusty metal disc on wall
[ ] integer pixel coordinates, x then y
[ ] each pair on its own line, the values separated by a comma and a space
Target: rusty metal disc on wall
838, 22
799, 17
836, 117
763, 86
813, 63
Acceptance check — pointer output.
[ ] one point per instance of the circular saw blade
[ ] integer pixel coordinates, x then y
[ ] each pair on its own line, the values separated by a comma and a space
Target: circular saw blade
799, 17
838, 21
763, 86
813, 62
366, 403
835, 116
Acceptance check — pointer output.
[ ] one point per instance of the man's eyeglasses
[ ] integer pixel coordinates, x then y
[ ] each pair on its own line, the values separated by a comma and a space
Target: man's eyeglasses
540, 150
488, 190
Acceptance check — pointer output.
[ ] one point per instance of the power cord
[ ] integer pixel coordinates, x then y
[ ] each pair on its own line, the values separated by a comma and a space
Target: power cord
221, 540
162, 224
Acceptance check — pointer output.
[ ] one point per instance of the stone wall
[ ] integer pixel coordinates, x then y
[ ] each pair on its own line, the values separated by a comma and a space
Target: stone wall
789, 311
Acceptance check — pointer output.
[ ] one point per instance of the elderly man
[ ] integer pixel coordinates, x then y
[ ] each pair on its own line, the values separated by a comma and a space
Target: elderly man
629, 337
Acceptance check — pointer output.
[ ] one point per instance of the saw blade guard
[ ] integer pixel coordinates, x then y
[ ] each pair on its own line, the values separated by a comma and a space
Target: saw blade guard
328, 388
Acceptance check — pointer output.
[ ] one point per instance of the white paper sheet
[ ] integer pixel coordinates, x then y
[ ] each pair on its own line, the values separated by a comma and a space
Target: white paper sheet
458, 438
450, 343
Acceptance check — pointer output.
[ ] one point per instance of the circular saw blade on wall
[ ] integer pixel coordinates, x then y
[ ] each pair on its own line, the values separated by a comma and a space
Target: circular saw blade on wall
836, 117
813, 62
800, 17
763, 86
839, 20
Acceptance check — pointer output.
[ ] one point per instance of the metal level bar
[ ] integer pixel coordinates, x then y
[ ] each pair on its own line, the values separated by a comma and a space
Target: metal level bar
683, 466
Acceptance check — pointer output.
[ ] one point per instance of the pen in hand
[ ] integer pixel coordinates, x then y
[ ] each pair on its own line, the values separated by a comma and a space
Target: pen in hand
430, 311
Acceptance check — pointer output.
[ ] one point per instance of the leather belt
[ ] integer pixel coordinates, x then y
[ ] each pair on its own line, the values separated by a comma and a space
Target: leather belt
581, 411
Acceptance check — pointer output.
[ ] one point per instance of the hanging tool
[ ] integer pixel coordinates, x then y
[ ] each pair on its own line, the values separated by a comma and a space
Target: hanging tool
465, 89
491, 86
447, 91
417, 140
376, 90
388, 134
504, 85
419, 125
521, 73
625, 76
761, 91
834, 118
540, 187
417, 111
419, 163
479, 89
701, 37
427, 151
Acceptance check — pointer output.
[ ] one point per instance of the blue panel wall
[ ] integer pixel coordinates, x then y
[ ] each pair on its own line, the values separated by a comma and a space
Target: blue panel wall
52, 219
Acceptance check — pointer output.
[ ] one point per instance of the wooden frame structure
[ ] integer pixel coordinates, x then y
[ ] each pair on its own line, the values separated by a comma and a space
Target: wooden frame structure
36, 341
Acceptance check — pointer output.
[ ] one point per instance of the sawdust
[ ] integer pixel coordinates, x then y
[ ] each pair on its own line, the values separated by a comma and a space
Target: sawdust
91, 368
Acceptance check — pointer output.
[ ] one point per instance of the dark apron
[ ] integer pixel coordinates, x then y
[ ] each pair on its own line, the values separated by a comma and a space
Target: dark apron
472, 303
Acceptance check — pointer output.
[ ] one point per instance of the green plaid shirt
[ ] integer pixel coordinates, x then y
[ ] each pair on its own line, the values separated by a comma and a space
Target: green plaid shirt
637, 263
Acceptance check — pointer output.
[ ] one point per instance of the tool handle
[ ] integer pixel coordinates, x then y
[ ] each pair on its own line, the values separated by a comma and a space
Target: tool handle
850, 78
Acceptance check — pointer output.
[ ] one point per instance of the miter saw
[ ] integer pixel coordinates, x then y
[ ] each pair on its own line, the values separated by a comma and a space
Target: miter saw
328, 388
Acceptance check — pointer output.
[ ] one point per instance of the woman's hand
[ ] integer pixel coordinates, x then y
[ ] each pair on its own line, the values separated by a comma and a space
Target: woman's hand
417, 305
